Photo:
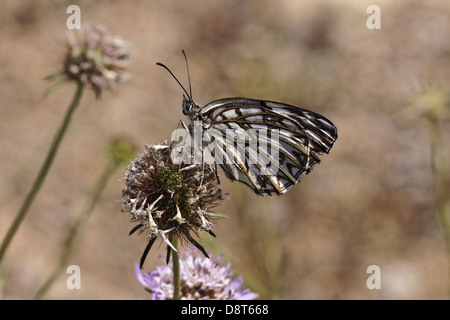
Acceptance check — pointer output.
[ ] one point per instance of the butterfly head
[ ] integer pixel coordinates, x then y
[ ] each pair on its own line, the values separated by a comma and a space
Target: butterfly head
188, 104
190, 108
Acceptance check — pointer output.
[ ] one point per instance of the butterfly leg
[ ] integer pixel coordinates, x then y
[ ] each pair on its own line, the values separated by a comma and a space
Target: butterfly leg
181, 145
216, 172
203, 168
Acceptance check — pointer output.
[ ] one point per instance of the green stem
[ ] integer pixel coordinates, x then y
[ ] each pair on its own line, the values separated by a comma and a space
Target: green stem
441, 174
266, 252
42, 173
176, 270
77, 229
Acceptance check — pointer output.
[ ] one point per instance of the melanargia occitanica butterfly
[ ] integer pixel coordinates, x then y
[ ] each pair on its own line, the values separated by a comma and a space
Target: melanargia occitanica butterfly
301, 136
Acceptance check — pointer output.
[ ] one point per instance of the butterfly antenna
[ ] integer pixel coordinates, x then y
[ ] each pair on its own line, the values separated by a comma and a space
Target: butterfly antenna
189, 75
165, 67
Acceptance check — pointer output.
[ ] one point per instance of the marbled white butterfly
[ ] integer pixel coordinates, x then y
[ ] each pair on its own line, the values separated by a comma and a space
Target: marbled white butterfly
243, 129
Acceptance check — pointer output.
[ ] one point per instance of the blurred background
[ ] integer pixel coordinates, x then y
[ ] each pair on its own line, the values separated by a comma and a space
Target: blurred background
372, 200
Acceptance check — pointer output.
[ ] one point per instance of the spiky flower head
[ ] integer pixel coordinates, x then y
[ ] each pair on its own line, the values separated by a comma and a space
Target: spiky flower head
95, 58
201, 279
169, 200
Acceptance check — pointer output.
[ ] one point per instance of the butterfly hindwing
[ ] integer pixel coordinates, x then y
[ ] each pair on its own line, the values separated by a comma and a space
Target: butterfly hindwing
302, 136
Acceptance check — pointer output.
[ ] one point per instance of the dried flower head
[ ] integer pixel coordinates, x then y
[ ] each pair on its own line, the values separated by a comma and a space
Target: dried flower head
168, 199
201, 279
96, 58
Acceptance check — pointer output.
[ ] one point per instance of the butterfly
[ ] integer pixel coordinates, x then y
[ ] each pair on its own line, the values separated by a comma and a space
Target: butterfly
267, 145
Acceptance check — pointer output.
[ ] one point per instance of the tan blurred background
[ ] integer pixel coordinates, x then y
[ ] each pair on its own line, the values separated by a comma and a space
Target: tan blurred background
370, 202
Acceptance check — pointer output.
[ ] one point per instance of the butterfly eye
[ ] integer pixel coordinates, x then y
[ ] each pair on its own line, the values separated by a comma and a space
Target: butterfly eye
187, 105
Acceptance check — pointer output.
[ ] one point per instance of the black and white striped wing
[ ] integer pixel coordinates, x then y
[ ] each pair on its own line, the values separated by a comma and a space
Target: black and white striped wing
283, 142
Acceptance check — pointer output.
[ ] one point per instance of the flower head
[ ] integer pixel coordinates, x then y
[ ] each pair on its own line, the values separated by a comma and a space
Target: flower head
167, 199
201, 279
96, 58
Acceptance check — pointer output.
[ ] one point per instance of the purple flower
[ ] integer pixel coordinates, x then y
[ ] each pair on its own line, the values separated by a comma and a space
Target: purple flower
96, 58
167, 200
201, 279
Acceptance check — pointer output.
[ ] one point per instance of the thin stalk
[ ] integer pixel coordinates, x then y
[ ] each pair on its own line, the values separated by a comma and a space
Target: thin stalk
440, 174
42, 173
77, 229
262, 240
176, 270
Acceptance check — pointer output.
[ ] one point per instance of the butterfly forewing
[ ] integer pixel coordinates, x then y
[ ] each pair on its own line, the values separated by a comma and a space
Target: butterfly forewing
301, 136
